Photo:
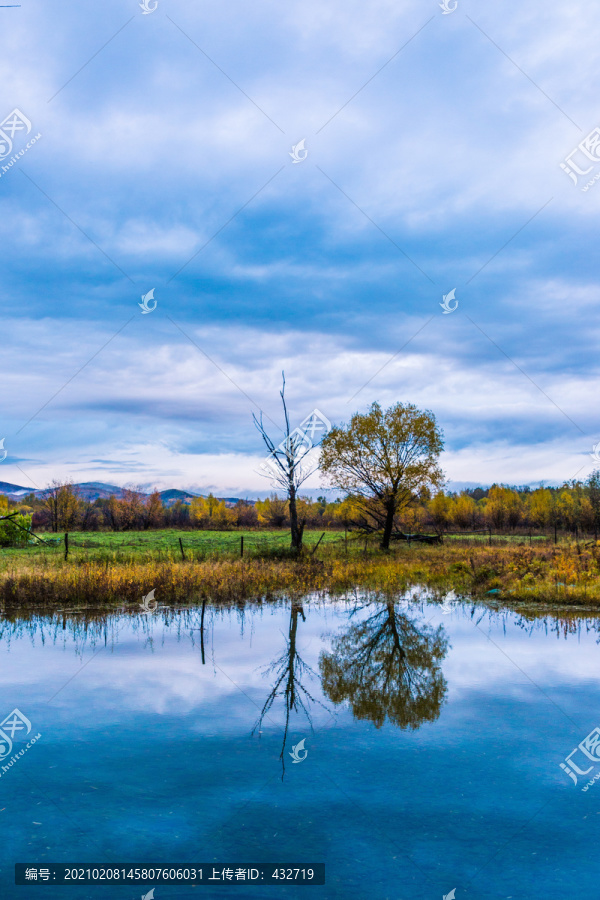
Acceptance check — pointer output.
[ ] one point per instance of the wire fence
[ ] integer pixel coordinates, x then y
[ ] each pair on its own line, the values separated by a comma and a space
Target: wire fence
188, 545
200, 544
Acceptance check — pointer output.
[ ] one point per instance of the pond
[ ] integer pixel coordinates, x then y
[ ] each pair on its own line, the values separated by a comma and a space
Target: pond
414, 749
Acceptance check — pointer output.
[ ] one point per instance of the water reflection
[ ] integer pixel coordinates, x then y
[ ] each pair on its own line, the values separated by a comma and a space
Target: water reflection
387, 666
384, 662
147, 753
289, 670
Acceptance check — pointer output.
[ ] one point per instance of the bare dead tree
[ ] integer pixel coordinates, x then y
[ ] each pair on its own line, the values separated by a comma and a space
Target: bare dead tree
289, 669
285, 464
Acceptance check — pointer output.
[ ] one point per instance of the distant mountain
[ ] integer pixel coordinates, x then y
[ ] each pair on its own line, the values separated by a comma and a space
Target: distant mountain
7, 488
90, 491
94, 490
174, 494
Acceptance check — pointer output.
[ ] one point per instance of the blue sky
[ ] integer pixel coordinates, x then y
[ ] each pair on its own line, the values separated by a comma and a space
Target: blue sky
434, 145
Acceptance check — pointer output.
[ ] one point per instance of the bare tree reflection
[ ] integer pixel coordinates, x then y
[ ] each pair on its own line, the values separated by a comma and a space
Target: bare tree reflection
289, 669
202, 630
387, 666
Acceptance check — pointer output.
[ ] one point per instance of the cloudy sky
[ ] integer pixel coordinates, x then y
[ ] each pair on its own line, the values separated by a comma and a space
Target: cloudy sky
431, 162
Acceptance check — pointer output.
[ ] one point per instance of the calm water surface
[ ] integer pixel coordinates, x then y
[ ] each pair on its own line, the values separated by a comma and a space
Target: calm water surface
432, 748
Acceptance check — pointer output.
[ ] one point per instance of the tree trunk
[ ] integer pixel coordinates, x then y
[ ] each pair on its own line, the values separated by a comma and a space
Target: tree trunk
387, 529
297, 528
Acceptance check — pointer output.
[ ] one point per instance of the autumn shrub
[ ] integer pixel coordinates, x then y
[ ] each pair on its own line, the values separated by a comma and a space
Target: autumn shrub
14, 531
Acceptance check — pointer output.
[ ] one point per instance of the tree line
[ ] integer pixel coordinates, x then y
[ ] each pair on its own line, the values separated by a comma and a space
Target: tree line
64, 509
573, 507
384, 467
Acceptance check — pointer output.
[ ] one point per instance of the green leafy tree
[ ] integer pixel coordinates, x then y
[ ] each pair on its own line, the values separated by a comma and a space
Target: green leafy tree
13, 530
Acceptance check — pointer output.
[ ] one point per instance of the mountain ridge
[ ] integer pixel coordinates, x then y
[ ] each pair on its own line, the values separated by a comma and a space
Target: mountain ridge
94, 490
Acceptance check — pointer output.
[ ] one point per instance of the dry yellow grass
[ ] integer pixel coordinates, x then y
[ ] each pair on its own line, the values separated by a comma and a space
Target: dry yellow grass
554, 575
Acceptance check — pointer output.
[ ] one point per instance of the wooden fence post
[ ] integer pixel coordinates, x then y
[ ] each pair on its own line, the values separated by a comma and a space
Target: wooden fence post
318, 542
242, 545
181, 547
66, 545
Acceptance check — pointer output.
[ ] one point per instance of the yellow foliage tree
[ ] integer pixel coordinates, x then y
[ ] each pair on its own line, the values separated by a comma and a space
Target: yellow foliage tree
209, 512
463, 510
504, 507
440, 510
272, 512
541, 507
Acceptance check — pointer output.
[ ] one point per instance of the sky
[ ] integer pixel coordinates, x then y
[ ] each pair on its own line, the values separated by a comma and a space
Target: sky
430, 166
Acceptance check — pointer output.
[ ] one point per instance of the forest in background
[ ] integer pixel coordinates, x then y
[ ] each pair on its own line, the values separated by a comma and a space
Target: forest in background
574, 507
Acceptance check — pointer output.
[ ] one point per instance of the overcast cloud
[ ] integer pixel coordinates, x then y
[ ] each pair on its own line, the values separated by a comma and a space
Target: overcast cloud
434, 148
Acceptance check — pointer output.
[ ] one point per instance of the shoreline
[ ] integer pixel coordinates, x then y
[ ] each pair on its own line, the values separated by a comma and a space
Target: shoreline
565, 576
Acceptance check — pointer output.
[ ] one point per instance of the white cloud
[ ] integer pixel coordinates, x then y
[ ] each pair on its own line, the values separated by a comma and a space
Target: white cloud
162, 398
450, 149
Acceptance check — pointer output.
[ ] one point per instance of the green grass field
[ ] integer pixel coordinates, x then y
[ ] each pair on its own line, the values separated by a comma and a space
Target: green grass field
140, 546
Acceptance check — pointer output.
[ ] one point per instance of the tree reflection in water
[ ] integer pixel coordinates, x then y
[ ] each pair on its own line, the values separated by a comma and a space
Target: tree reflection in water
289, 669
387, 665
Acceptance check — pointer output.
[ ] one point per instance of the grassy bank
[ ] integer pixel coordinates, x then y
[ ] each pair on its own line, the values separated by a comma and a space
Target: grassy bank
118, 569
